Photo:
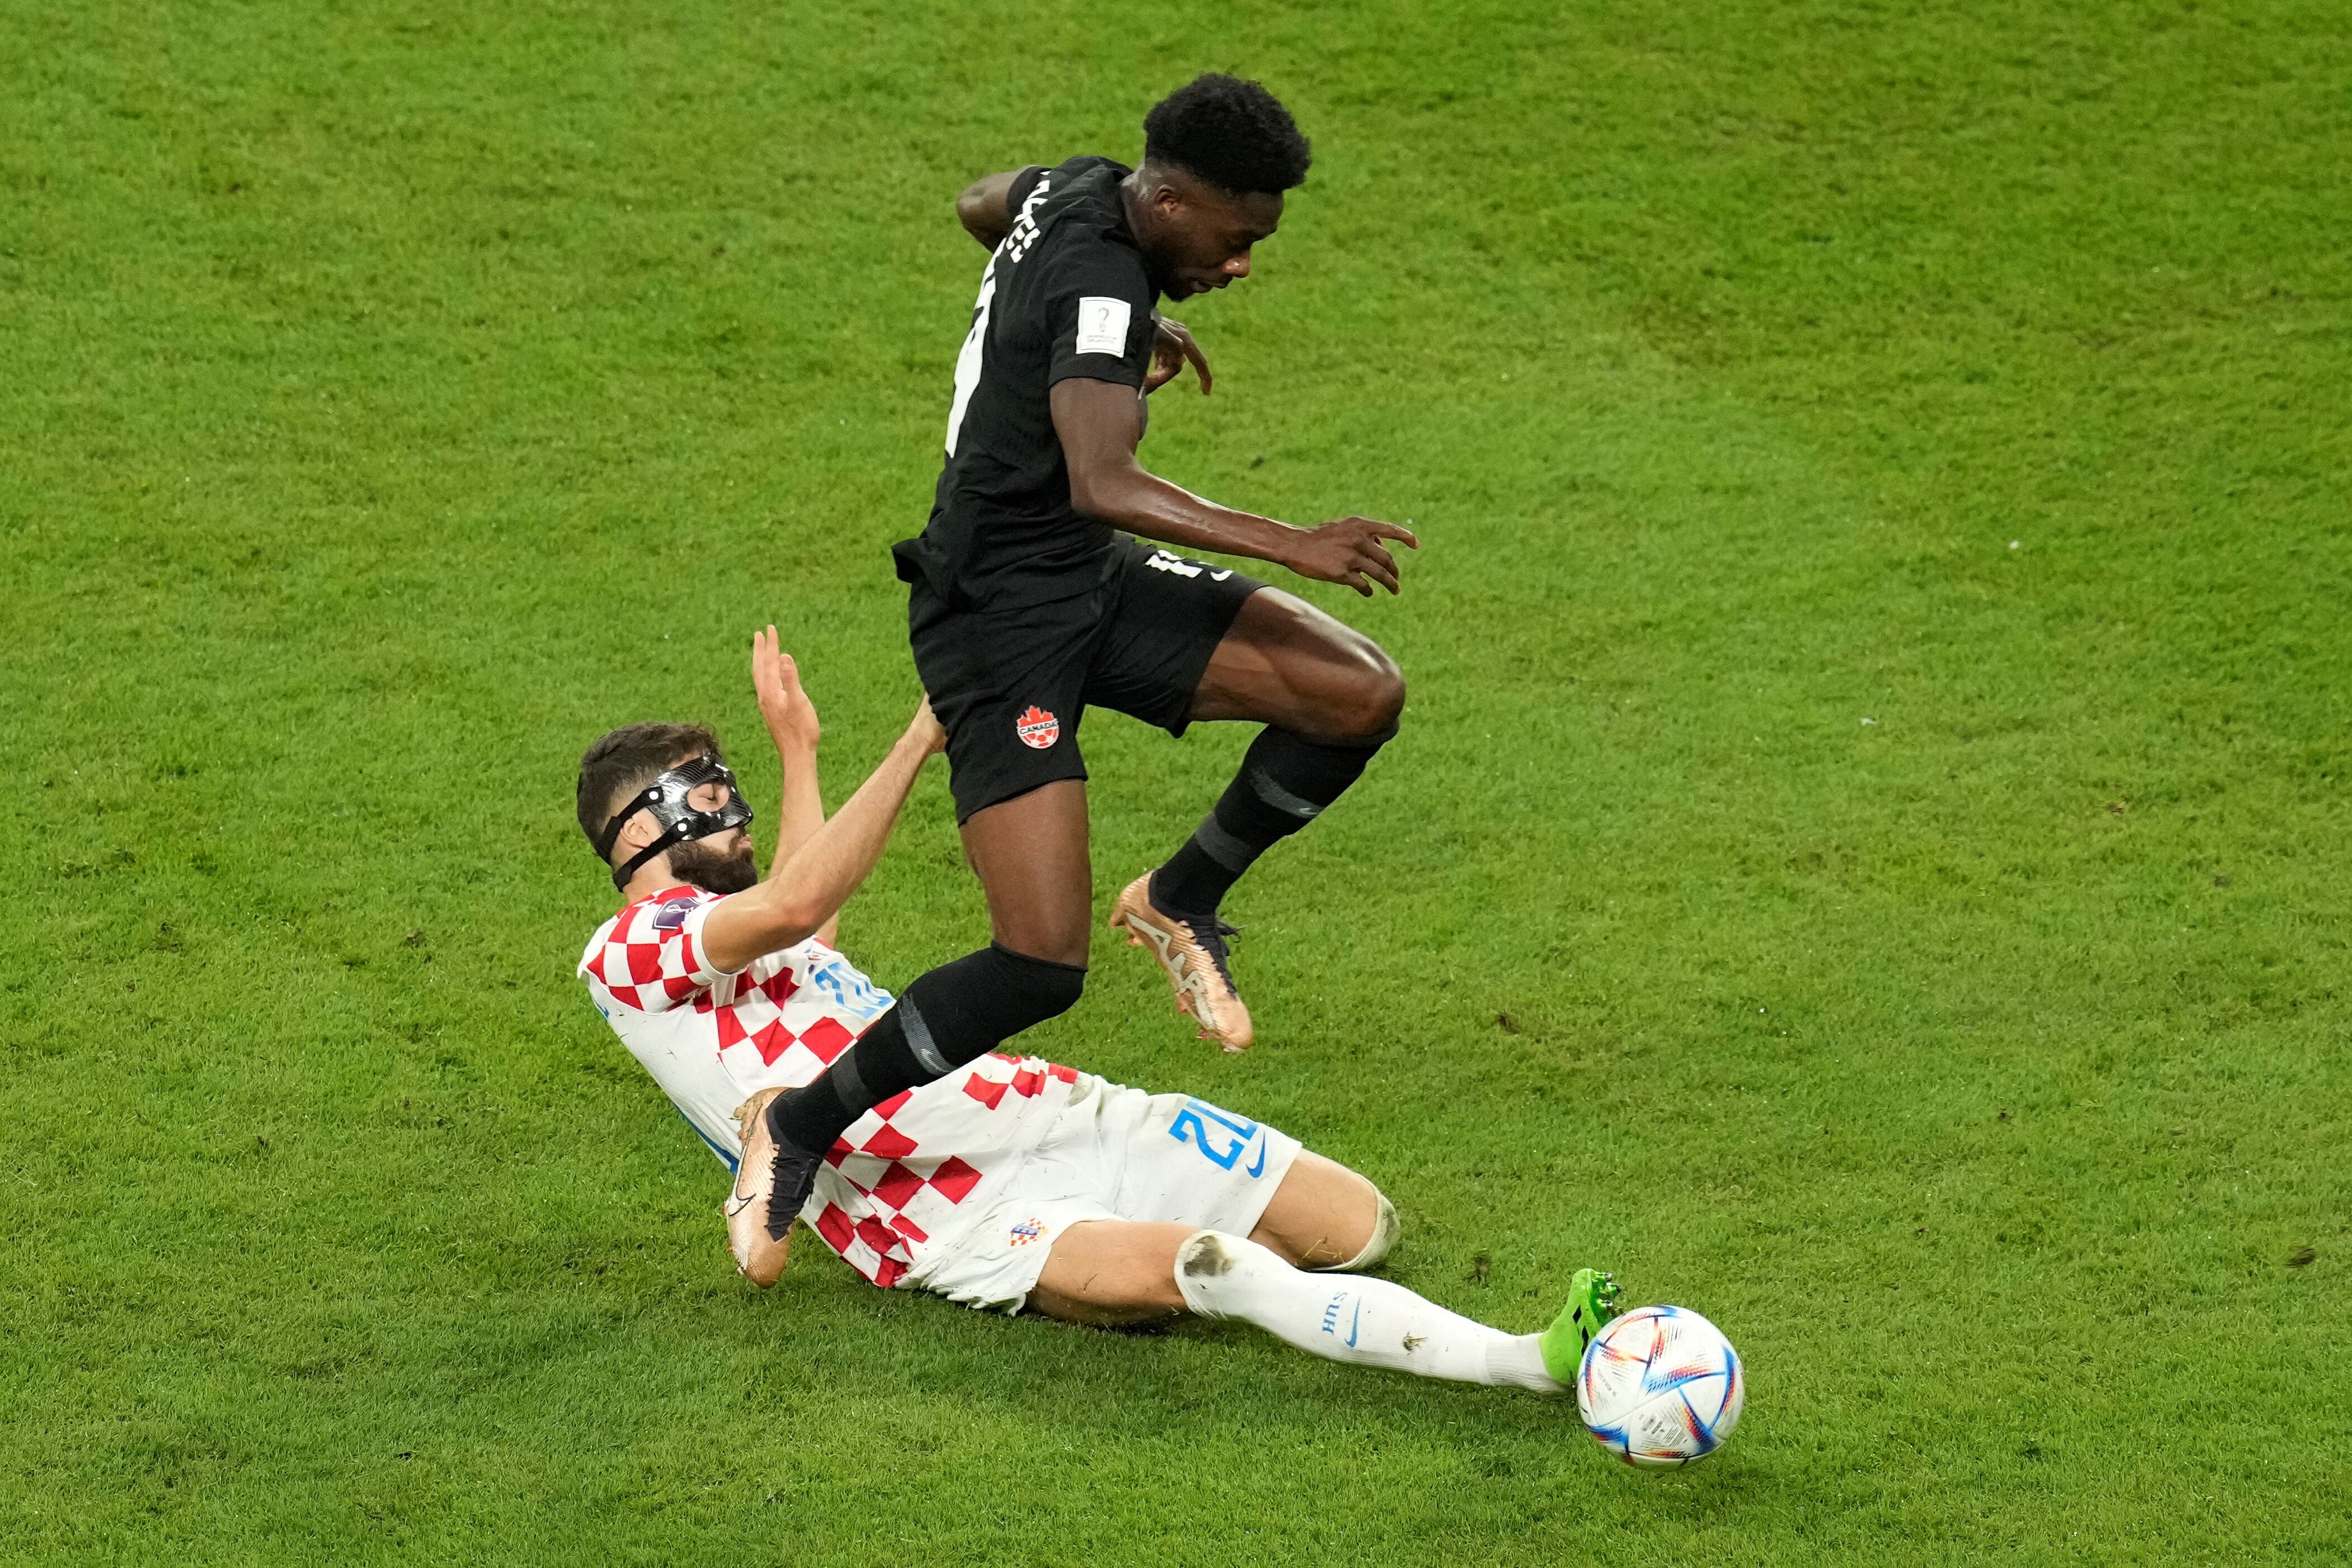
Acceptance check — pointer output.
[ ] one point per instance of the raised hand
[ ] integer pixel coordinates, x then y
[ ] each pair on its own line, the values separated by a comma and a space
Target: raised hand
791, 716
1171, 348
1349, 550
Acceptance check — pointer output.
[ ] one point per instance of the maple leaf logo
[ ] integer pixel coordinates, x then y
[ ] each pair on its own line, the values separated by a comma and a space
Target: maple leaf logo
1038, 729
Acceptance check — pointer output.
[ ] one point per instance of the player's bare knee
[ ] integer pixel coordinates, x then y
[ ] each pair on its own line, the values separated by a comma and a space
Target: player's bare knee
1060, 938
1068, 952
1385, 1229
1369, 702
1363, 1229
1383, 697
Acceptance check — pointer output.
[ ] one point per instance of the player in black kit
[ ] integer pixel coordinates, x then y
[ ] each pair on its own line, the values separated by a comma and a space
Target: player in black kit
1026, 606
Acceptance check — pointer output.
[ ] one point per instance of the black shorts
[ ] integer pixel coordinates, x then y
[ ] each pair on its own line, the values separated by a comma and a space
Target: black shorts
1011, 685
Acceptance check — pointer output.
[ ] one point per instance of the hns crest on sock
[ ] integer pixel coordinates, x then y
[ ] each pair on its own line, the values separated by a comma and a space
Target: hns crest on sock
1038, 729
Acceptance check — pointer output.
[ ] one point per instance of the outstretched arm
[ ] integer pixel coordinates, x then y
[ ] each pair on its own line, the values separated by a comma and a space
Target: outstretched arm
985, 208
808, 888
792, 725
1099, 423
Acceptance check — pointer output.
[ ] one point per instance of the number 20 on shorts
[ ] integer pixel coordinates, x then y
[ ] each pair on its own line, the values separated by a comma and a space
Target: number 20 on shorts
1192, 1125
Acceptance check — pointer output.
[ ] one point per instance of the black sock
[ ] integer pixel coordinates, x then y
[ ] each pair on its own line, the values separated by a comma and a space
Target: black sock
1286, 780
955, 1014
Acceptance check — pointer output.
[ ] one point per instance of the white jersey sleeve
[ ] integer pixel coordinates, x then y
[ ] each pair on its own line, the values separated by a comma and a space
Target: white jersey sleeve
650, 959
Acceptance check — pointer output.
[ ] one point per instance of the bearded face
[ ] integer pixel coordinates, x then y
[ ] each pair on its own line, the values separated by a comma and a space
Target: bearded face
701, 863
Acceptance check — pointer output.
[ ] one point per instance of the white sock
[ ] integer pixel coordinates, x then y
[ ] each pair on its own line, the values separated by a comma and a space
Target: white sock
1343, 1317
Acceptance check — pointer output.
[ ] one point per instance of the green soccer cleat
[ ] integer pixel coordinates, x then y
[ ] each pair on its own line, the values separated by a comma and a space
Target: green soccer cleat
1592, 1299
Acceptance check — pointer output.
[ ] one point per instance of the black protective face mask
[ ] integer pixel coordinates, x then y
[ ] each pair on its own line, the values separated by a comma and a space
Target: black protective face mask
666, 798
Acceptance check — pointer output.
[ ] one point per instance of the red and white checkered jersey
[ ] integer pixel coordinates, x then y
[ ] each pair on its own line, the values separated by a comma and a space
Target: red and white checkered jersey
904, 1174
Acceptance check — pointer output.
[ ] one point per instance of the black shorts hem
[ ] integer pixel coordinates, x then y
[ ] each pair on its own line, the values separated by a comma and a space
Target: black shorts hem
1006, 790
1012, 685
1189, 673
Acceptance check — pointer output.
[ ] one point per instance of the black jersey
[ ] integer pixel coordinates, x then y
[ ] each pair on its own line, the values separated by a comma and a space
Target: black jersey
1067, 294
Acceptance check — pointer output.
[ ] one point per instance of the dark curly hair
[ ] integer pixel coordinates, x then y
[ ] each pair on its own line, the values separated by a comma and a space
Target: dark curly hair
1231, 133
624, 760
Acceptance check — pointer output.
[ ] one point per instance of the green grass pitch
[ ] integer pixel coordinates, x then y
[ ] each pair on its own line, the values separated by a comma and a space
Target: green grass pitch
1866, 857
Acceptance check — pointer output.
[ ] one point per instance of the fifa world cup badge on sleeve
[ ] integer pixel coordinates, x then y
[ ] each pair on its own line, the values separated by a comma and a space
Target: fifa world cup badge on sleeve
1102, 325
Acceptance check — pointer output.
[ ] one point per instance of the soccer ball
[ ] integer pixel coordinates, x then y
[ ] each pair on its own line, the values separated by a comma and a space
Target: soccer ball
1660, 1386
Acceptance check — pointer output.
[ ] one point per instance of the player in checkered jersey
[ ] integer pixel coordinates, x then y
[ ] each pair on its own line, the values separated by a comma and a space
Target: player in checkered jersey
1005, 1183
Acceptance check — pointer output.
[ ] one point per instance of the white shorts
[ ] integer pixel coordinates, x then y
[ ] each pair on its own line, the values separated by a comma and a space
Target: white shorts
1112, 1153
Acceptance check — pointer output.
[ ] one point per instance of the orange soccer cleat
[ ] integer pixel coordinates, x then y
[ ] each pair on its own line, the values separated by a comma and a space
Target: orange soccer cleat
1193, 957
758, 1252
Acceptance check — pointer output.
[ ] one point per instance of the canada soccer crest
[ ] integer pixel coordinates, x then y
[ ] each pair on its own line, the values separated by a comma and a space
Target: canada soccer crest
1038, 729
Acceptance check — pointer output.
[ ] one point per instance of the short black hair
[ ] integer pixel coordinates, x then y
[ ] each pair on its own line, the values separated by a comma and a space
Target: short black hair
1233, 133
624, 760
